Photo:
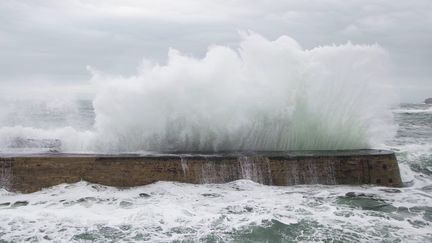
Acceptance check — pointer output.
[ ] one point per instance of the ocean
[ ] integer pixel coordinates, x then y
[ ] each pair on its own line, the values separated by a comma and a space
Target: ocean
239, 211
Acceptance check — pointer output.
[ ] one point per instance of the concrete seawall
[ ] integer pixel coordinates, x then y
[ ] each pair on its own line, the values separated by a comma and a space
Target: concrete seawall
32, 172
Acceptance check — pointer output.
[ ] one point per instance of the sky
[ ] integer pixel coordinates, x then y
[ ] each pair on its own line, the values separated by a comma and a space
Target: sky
47, 44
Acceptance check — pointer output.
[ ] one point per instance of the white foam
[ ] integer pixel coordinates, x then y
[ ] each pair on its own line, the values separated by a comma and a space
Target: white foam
425, 110
265, 95
176, 211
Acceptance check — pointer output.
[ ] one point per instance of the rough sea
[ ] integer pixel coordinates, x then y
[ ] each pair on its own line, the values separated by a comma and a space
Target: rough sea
240, 211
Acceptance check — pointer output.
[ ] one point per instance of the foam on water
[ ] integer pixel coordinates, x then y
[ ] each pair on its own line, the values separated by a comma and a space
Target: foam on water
424, 110
237, 211
265, 95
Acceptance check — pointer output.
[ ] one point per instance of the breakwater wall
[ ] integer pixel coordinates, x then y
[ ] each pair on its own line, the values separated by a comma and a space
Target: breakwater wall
32, 172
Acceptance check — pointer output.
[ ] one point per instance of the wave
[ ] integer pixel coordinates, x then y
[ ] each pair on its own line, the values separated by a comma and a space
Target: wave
265, 95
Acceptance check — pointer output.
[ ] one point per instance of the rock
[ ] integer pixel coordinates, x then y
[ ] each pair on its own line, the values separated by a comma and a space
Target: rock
428, 101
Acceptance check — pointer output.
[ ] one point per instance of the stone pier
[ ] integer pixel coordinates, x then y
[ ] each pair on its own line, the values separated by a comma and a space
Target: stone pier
32, 172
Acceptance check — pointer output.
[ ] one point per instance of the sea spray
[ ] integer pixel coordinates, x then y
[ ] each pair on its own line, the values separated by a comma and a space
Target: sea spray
264, 95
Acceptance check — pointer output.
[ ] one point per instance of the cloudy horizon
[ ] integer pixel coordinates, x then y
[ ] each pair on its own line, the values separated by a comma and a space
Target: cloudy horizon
46, 43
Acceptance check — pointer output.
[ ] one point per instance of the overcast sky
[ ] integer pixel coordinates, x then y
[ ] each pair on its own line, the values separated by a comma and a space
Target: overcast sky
50, 42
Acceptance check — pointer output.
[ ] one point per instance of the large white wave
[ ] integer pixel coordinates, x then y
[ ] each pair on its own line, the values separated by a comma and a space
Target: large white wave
265, 95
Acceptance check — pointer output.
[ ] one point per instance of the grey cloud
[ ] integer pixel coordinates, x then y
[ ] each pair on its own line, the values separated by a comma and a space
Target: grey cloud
54, 41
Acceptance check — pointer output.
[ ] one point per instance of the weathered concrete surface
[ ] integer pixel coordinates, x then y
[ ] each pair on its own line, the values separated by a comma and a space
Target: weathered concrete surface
32, 172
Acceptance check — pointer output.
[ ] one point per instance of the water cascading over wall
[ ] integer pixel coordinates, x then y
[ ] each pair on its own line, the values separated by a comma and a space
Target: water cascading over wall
28, 173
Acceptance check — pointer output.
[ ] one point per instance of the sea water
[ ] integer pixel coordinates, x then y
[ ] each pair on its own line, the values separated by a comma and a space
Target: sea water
239, 211
264, 95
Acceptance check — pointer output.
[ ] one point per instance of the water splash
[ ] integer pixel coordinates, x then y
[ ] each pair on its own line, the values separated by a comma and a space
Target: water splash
265, 95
